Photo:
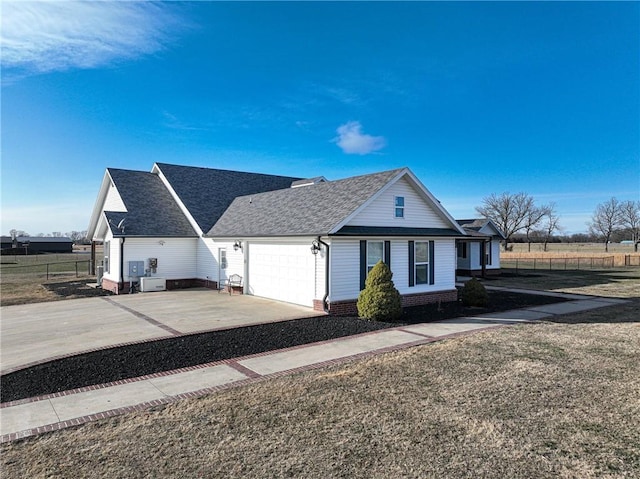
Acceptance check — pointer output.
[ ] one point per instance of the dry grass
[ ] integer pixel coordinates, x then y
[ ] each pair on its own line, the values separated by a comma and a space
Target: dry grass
573, 250
538, 400
619, 283
25, 289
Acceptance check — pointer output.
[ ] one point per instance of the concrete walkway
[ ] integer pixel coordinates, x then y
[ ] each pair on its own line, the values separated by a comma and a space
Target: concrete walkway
65, 328
33, 416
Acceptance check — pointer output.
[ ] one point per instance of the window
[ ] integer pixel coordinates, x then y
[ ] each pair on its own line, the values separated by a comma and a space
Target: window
462, 250
399, 205
489, 255
421, 263
107, 247
375, 253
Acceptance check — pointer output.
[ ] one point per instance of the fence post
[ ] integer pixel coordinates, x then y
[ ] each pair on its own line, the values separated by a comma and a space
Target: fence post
76, 269
565, 263
549, 264
47, 271
534, 264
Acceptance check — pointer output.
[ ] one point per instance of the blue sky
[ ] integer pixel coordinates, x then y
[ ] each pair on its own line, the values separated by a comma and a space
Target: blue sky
475, 98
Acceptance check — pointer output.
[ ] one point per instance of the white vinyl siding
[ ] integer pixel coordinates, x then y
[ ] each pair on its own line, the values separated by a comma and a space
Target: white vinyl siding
417, 212
176, 257
207, 259
473, 262
345, 268
113, 201
114, 257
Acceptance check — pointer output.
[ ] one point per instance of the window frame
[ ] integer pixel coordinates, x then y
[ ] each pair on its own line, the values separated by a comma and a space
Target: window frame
463, 248
417, 263
398, 208
370, 266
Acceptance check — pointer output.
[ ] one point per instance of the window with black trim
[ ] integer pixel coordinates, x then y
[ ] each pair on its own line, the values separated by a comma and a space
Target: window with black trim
489, 253
375, 253
421, 262
462, 250
399, 206
107, 251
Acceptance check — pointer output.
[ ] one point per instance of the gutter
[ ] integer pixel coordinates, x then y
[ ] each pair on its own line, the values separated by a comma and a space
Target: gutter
325, 304
121, 282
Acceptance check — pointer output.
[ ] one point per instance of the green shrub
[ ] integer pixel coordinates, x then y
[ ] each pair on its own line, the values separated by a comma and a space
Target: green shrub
379, 300
474, 293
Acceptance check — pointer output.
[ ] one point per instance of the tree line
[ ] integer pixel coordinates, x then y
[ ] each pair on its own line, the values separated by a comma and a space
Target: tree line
78, 237
520, 218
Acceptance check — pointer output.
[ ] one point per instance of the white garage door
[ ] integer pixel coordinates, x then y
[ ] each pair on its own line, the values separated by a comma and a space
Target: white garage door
284, 272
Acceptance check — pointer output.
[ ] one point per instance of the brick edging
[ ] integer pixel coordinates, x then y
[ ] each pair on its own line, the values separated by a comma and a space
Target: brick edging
254, 378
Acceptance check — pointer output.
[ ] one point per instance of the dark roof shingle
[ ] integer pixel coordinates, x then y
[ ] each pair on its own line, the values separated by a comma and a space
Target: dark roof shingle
151, 210
307, 210
208, 192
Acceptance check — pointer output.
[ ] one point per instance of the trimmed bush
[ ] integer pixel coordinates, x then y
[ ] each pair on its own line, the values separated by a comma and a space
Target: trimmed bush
474, 293
379, 300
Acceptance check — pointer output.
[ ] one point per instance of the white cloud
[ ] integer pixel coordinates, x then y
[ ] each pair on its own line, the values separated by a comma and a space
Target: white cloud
60, 35
353, 141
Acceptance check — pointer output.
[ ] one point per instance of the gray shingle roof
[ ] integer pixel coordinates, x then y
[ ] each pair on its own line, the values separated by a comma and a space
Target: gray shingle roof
151, 210
208, 192
307, 210
473, 226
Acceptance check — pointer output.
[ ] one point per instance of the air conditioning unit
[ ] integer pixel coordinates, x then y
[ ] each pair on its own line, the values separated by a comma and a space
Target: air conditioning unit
152, 284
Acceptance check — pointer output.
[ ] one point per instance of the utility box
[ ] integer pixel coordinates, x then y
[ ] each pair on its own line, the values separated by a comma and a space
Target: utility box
136, 269
152, 284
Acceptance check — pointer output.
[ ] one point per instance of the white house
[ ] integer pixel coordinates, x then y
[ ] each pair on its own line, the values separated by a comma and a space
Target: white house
304, 241
479, 253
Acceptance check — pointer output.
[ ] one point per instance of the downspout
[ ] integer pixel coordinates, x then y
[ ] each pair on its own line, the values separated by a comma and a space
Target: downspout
325, 304
121, 282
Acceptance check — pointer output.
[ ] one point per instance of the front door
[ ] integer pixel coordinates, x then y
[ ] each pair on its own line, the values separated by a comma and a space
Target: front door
222, 267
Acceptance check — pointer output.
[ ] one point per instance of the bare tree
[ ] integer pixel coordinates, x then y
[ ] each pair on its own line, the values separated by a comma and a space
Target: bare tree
630, 219
56, 234
532, 220
551, 223
77, 236
508, 211
17, 233
605, 220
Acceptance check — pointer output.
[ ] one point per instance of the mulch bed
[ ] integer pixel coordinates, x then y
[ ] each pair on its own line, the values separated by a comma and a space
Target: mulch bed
135, 360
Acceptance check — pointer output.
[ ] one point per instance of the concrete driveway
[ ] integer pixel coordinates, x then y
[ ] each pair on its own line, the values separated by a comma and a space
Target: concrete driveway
34, 333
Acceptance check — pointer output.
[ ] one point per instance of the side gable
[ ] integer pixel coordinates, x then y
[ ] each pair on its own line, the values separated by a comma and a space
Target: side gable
136, 203
481, 227
109, 199
491, 229
421, 209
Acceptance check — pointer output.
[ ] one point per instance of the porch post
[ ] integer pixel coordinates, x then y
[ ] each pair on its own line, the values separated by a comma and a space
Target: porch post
483, 258
92, 261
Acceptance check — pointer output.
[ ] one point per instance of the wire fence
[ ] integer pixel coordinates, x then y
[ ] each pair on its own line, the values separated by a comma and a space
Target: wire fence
559, 264
46, 270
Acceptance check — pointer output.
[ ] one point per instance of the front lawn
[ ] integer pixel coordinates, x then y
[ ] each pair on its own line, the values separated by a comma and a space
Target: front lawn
541, 400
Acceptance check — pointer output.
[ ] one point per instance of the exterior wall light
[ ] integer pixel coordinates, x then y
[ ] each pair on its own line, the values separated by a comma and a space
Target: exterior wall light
237, 245
315, 247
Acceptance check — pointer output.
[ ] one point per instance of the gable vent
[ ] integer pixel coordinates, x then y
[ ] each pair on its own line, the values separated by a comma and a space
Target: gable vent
308, 182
